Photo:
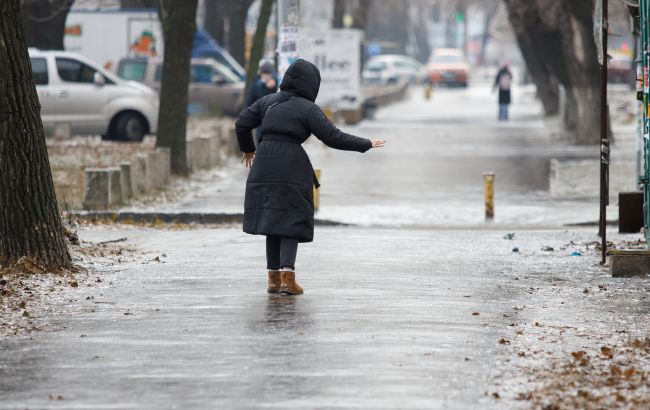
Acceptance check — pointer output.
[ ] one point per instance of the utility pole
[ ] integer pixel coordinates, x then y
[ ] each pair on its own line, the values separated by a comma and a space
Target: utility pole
288, 20
604, 137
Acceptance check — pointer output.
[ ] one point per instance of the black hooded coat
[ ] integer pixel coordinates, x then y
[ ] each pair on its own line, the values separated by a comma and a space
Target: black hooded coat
279, 190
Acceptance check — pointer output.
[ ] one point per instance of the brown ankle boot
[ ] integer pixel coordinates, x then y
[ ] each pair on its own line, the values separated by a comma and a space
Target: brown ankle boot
275, 281
289, 285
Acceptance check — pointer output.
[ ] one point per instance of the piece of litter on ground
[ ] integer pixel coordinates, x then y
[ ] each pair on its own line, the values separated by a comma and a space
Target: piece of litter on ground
576, 253
509, 236
515, 249
124, 239
548, 248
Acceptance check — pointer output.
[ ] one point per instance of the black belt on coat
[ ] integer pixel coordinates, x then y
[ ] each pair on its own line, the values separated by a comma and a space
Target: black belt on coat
290, 140
280, 138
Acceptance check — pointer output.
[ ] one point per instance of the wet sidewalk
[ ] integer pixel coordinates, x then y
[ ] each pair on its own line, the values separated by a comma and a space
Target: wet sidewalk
429, 174
390, 319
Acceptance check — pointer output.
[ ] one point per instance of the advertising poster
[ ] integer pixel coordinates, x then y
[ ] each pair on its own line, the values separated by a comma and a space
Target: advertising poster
337, 55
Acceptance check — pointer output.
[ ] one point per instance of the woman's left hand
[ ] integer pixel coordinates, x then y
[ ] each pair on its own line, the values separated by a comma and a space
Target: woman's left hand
247, 159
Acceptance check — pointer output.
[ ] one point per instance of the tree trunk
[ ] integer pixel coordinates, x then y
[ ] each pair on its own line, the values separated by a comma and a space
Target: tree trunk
237, 10
490, 12
558, 35
339, 13
179, 26
214, 18
257, 49
421, 32
139, 4
44, 23
360, 14
30, 223
583, 114
546, 83
385, 20
583, 71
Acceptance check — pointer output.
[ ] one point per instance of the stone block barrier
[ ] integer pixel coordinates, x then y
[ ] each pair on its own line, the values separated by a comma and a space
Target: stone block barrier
580, 178
125, 180
147, 173
202, 152
164, 165
138, 175
103, 188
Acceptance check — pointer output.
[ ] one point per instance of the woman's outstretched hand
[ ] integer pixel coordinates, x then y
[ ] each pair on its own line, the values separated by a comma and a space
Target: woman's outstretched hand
247, 159
378, 143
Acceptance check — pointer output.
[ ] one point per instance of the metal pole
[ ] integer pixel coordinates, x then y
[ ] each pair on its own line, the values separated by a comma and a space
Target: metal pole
278, 25
643, 23
604, 137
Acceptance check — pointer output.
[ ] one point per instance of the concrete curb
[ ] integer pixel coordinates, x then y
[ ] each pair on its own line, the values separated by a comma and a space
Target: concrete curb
175, 218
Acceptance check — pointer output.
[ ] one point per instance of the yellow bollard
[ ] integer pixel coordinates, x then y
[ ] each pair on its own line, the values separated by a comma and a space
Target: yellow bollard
328, 113
316, 191
427, 92
488, 182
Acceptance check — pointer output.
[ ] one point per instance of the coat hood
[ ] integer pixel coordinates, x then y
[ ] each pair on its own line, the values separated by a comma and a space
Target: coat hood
302, 78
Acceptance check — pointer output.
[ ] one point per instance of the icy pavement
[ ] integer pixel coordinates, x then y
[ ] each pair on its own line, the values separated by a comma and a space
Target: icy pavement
390, 319
429, 175
395, 314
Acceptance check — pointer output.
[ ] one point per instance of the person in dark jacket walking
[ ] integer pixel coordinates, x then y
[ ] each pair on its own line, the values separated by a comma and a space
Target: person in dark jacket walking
265, 83
279, 199
503, 82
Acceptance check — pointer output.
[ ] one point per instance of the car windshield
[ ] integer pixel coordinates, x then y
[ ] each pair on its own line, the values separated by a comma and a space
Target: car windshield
204, 73
447, 59
376, 66
225, 73
224, 61
201, 73
132, 70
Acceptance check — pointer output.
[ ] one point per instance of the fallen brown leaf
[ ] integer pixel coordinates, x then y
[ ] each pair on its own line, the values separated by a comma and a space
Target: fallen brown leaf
607, 352
578, 355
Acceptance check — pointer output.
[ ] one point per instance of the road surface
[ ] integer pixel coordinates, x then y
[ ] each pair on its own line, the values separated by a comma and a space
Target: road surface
419, 304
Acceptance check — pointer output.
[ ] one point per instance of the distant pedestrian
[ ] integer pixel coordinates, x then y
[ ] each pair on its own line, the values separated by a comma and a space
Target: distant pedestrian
279, 199
503, 82
264, 84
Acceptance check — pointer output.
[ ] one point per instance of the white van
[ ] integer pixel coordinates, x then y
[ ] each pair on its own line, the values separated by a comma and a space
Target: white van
73, 90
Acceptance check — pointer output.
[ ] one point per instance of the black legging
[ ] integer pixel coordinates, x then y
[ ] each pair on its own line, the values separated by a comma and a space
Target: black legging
281, 252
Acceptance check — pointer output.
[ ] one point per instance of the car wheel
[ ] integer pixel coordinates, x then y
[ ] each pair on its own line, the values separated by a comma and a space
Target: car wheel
128, 126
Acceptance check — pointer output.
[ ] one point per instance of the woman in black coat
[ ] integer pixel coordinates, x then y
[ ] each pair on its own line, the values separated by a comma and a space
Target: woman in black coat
503, 82
279, 199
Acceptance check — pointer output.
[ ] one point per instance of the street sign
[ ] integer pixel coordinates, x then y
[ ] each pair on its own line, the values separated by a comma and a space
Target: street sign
598, 30
336, 53
373, 49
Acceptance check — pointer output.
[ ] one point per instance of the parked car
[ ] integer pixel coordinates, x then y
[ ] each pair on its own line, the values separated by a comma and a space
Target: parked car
393, 69
212, 85
621, 69
205, 46
74, 90
448, 66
